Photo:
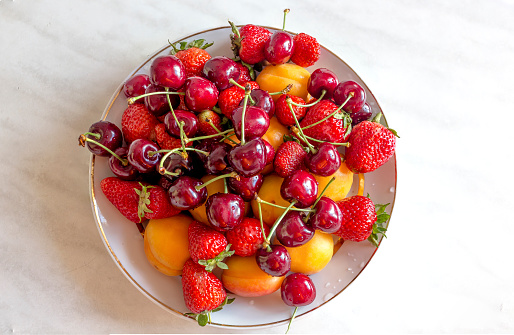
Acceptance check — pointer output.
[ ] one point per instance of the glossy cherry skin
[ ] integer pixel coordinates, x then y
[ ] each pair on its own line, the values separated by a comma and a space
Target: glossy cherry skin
256, 122
262, 99
297, 290
248, 159
363, 115
176, 163
190, 123
217, 161
328, 216
184, 195
300, 186
158, 104
168, 71
110, 136
200, 94
325, 162
141, 154
270, 152
276, 262
279, 48
343, 91
245, 187
292, 230
136, 85
220, 70
224, 210
322, 80
125, 172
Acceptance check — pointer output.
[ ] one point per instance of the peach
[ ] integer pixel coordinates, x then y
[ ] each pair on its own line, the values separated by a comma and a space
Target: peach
166, 243
314, 255
270, 191
340, 186
244, 278
274, 78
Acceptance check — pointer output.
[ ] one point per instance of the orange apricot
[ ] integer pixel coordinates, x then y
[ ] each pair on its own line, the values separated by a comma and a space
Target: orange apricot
166, 243
274, 78
270, 191
244, 278
340, 187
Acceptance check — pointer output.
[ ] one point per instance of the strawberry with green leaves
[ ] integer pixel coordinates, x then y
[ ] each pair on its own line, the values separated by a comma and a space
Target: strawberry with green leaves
248, 42
138, 201
207, 246
192, 55
361, 219
203, 292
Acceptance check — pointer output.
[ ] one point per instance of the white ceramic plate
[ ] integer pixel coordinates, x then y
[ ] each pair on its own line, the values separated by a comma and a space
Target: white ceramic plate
125, 244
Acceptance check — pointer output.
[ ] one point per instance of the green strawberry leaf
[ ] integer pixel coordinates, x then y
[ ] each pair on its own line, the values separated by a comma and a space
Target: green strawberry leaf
184, 45
378, 227
202, 319
217, 261
144, 201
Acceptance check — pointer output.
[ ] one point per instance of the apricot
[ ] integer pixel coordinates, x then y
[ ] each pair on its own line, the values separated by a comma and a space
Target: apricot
270, 191
314, 255
340, 186
166, 243
274, 78
244, 278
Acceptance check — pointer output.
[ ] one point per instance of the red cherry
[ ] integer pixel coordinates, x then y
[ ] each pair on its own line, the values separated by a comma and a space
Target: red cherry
168, 71
224, 210
200, 94
275, 261
279, 48
292, 230
136, 85
344, 90
301, 187
322, 80
325, 162
297, 289
184, 195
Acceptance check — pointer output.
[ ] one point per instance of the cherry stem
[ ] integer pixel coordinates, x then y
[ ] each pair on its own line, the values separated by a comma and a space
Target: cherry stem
95, 135
284, 21
262, 223
284, 91
183, 138
308, 105
227, 175
323, 192
133, 99
235, 83
162, 169
83, 139
331, 114
299, 130
292, 318
275, 225
245, 102
259, 200
210, 136
344, 144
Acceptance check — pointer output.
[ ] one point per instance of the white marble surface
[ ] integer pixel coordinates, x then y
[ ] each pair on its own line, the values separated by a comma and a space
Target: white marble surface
442, 72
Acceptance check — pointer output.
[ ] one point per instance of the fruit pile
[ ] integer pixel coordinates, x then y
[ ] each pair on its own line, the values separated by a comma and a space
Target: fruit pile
243, 165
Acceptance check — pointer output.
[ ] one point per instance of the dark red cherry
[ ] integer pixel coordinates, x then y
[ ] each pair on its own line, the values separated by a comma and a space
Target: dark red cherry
224, 210
176, 163
107, 134
166, 181
292, 230
136, 86
256, 122
142, 155
168, 71
217, 160
200, 94
190, 123
184, 195
220, 70
325, 162
344, 90
328, 216
279, 48
123, 170
158, 104
270, 152
297, 290
322, 80
245, 187
262, 99
248, 159
300, 186
275, 261
363, 115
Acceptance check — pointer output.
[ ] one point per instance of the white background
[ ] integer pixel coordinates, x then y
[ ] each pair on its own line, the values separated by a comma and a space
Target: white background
442, 71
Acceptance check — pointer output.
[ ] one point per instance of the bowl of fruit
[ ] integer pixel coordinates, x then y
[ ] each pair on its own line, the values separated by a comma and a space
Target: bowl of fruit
242, 176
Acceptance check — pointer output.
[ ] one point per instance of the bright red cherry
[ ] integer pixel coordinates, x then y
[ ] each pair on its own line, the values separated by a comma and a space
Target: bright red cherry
224, 210
200, 94
248, 159
184, 193
279, 48
328, 216
246, 187
343, 91
300, 186
256, 122
217, 160
136, 85
275, 261
292, 230
262, 99
325, 162
220, 70
322, 80
297, 289
190, 123
168, 71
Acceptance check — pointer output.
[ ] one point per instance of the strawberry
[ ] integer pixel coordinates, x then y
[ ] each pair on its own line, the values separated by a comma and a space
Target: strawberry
283, 112
192, 55
247, 237
207, 246
370, 146
306, 50
137, 201
206, 120
246, 74
203, 292
230, 98
289, 157
137, 122
164, 139
361, 220
334, 129
248, 42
